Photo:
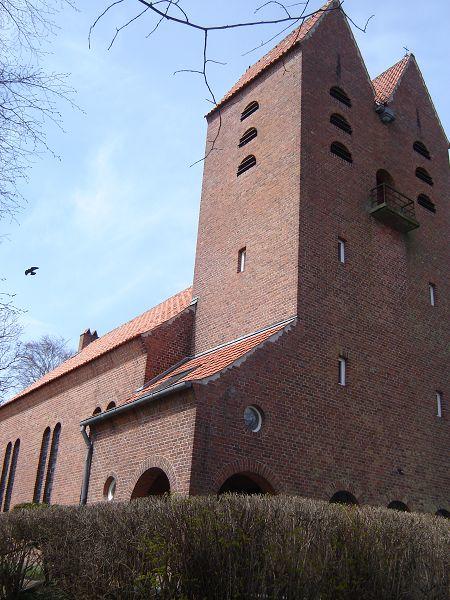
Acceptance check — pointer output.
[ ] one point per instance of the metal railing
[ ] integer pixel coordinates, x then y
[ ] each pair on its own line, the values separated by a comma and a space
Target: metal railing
385, 194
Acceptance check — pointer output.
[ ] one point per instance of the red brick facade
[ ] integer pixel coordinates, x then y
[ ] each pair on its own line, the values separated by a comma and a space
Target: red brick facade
379, 436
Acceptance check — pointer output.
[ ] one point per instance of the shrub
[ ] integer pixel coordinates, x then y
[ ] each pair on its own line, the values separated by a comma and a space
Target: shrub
238, 547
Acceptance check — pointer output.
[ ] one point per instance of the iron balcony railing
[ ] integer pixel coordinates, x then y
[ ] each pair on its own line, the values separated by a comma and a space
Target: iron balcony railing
393, 199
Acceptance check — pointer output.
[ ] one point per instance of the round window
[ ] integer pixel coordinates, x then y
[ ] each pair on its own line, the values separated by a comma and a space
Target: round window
253, 418
110, 489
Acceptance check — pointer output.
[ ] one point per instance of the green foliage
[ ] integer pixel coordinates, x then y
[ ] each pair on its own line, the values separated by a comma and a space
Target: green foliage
237, 547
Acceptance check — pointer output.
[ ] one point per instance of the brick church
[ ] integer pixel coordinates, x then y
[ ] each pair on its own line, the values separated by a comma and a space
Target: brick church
311, 355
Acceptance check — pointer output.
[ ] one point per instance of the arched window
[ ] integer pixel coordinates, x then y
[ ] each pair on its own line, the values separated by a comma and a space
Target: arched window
4, 474
249, 109
41, 466
109, 490
426, 202
12, 475
443, 513
344, 497
247, 137
420, 148
97, 411
246, 164
341, 151
424, 175
111, 405
341, 122
339, 94
397, 505
52, 464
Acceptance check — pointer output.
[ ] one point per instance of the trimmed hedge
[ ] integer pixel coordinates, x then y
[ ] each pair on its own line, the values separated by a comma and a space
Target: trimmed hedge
235, 547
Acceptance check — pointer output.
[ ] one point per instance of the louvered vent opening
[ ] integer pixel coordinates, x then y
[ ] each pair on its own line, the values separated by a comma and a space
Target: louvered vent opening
249, 110
342, 123
424, 175
426, 202
341, 151
248, 136
246, 164
339, 94
420, 148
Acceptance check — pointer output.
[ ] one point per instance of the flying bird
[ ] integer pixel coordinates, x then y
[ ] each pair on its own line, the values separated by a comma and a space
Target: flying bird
31, 271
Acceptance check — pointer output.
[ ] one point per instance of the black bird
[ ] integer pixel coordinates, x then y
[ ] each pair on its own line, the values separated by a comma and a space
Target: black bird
31, 271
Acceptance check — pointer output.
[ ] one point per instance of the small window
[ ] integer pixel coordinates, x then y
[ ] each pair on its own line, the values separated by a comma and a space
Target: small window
424, 201
248, 136
41, 466
249, 110
246, 164
339, 94
109, 490
432, 291
341, 250
342, 370
424, 175
242, 256
12, 475
439, 404
422, 149
341, 123
111, 405
5, 469
253, 418
341, 151
52, 464
97, 411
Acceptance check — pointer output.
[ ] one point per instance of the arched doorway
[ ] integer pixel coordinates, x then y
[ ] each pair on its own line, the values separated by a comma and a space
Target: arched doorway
246, 483
383, 179
343, 497
153, 482
397, 505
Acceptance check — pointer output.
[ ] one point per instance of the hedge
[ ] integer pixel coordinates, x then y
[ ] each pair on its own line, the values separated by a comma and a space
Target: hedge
234, 547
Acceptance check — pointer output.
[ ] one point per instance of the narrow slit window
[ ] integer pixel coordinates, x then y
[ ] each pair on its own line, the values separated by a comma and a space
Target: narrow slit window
342, 123
246, 164
12, 476
341, 250
340, 150
249, 110
426, 202
424, 175
339, 94
4, 474
41, 466
432, 291
342, 370
420, 148
52, 464
439, 404
247, 137
242, 257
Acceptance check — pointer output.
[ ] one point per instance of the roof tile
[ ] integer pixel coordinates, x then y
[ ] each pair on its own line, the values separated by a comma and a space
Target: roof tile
385, 84
147, 321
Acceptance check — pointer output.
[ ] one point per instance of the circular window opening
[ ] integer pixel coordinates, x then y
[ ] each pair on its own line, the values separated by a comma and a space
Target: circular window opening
110, 489
253, 418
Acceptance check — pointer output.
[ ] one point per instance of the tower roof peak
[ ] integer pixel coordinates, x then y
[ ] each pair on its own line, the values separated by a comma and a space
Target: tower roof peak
386, 83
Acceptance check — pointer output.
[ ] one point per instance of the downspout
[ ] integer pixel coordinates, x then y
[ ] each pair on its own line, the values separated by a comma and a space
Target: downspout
87, 466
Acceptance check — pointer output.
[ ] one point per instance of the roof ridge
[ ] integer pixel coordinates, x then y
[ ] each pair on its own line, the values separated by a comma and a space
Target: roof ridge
279, 50
386, 83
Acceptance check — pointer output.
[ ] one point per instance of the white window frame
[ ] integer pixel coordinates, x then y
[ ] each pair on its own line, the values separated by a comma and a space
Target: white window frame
242, 257
341, 250
439, 404
432, 290
342, 371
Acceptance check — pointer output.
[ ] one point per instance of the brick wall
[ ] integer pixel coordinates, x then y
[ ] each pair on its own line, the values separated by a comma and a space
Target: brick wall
257, 210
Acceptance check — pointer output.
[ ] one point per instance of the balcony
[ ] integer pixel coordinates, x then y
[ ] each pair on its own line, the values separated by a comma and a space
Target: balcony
393, 208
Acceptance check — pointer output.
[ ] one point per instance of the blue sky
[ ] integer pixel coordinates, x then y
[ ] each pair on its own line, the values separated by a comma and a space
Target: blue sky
112, 223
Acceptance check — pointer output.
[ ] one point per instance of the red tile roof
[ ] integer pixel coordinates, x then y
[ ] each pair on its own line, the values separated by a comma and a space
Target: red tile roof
385, 84
213, 361
289, 42
145, 322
